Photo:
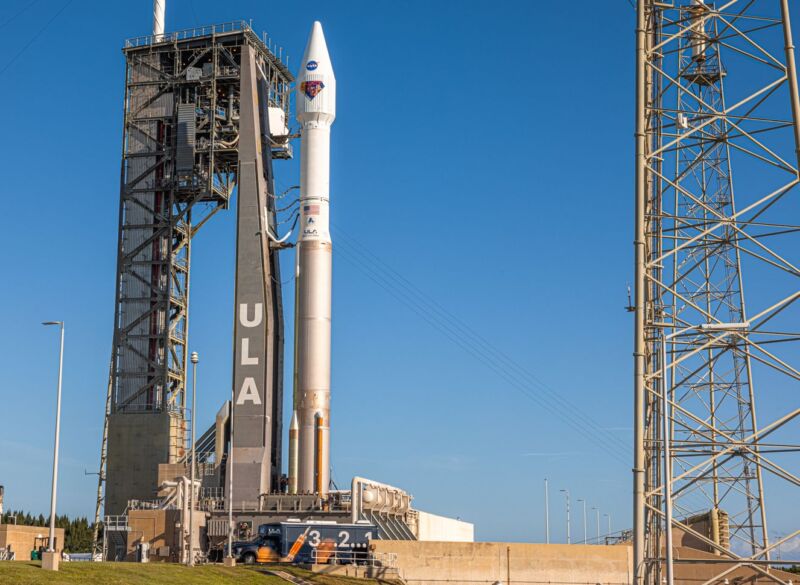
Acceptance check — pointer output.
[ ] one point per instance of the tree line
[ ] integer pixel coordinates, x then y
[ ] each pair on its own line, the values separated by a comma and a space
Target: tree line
77, 532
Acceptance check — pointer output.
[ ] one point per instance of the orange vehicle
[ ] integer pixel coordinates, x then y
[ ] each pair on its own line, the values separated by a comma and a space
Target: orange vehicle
267, 554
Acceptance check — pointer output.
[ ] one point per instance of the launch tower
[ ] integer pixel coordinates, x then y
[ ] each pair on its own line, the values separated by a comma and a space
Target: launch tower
717, 279
205, 113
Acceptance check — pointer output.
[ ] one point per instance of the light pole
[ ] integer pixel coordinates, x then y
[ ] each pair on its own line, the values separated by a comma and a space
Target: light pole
609, 522
546, 512
569, 538
779, 537
195, 358
584, 520
597, 511
52, 535
230, 561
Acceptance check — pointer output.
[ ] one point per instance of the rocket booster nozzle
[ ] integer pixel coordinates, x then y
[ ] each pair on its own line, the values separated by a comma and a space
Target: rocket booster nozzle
294, 434
316, 83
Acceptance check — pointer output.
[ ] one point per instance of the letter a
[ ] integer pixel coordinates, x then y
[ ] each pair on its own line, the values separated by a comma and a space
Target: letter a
249, 392
243, 319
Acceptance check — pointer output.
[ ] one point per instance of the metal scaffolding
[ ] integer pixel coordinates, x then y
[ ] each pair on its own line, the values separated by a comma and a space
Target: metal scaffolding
717, 97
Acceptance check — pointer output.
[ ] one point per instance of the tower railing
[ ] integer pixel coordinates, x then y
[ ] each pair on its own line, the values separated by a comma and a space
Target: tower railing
188, 33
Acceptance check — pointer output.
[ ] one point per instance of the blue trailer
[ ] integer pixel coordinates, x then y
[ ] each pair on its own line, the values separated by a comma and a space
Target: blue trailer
319, 542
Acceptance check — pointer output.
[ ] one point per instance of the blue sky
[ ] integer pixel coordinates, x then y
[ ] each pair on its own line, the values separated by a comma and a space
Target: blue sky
482, 163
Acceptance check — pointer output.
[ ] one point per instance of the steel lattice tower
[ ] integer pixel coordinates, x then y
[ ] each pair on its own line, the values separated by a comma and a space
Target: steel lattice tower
717, 98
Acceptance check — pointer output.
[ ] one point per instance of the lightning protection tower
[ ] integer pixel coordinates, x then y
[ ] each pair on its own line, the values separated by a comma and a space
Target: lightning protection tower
717, 280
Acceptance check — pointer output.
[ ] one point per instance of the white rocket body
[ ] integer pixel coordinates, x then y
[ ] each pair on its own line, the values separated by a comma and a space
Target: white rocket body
159, 10
316, 111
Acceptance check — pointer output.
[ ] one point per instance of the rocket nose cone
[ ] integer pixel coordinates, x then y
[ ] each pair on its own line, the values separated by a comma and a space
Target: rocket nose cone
316, 83
316, 58
295, 425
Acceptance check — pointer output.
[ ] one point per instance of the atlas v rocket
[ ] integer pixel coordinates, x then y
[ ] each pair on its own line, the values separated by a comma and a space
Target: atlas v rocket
309, 435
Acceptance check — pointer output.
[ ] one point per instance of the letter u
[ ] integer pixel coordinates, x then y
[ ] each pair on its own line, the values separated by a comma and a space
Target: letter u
243, 318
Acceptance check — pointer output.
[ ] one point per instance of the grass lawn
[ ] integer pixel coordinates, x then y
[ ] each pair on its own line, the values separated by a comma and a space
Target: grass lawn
31, 573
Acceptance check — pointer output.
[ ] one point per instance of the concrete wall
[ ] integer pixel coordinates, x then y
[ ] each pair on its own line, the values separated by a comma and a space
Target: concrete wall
698, 573
161, 530
131, 475
22, 539
431, 527
157, 528
465, 563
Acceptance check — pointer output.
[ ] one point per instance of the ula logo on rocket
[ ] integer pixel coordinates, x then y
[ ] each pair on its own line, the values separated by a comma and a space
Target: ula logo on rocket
311, 65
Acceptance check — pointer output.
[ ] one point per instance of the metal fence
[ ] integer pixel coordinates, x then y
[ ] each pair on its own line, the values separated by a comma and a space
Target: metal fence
216, 493
385, 560
116, 524
81, 557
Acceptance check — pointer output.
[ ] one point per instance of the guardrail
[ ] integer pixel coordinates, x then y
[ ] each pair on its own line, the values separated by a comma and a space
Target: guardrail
81, 557
189, 33
212, 492
386, 560
116, 524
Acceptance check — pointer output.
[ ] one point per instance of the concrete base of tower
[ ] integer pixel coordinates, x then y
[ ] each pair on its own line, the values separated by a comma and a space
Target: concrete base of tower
137, 444
50, 561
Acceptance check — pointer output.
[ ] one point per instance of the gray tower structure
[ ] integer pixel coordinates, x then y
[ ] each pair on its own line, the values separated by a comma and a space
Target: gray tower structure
717, 244
198, 109
258, 317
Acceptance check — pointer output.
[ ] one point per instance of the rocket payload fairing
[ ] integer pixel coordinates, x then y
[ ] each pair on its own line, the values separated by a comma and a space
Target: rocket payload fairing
316, 111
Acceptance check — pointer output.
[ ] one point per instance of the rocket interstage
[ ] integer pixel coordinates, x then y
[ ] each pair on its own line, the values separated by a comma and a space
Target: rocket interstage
316, 111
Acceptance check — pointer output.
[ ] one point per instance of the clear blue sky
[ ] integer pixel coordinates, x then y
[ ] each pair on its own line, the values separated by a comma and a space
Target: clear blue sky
482, 152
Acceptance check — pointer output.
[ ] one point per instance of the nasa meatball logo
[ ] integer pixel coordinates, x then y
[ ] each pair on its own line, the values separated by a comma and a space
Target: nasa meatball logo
311, 65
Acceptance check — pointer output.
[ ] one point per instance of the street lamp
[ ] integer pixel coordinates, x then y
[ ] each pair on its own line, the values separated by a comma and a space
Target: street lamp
569, 538
597, 511
52, 536
779, 537
230, 561
195, 358
609, 522
546, 512
584, 520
